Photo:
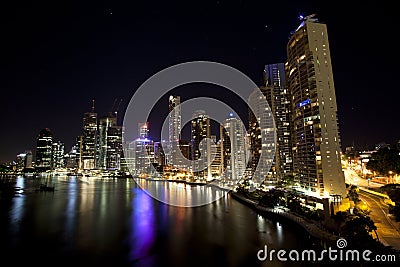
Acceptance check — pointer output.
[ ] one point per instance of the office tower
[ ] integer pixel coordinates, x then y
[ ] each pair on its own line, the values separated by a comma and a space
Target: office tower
216, 164
89, 142
174, 128
20, 162
144, 151
72, 157
110, 144
278, 99
114, 147
159, 156
143, 130
104, 124
237, 159
28, 159
316, 142
186, 150
57, 155
262, 141
43, 150
200, 129
225, 145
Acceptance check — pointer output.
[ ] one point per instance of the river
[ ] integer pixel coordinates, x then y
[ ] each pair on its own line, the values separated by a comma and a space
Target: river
103, 222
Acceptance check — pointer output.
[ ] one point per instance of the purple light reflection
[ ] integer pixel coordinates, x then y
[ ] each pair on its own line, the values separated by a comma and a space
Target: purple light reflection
143, 227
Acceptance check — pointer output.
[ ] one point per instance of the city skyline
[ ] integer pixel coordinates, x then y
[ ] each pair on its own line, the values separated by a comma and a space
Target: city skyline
78, 54
211, 133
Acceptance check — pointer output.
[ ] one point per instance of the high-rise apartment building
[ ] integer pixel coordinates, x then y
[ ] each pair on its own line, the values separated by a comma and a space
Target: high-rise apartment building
57, 155
262, 140
174, 128
278, 98
200, 129
43, 150
316, 142
144, 151
89, 141
110, 143
237, 158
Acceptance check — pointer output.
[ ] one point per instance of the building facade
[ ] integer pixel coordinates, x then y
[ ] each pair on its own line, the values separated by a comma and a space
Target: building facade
261, 166
89, 141
110, 144
43, 150
236, 159
316, 143
200, 129
57, 155
174, 130
278, 99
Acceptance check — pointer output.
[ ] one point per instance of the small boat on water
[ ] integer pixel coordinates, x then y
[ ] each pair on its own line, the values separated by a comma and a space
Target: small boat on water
45, 187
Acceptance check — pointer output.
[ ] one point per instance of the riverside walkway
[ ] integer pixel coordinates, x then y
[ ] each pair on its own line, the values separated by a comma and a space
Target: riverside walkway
312, 228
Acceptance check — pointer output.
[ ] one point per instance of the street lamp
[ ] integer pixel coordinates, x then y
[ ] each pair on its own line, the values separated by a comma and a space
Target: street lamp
391, 177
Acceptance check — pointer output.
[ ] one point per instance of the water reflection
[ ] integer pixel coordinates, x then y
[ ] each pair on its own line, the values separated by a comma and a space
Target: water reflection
17, 208
113, 222
70, 212
143, 228
181, 194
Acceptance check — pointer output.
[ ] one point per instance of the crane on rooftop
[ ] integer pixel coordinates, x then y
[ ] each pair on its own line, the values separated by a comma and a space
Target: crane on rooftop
114, 110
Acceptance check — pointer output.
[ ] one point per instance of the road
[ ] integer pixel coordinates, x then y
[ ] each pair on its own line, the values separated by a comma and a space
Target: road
387, 229
352, 178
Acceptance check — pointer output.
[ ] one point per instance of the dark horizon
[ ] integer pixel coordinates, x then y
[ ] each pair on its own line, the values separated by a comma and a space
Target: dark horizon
61, 55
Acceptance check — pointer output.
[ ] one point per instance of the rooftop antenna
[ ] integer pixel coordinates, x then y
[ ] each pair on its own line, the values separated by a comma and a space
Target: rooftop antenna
93, 105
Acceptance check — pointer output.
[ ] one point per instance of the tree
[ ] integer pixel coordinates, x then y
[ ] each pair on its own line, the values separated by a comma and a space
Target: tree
353, 194
384, 161
288, 181
272, 198
340, 218
357, 231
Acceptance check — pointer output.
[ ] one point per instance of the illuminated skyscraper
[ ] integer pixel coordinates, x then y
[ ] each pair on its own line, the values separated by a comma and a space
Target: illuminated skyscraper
262, 142
89, 142
237, 158
316, 142
110, 143
20, 162
57, 155
144, 151
174, 129
278, 99
43, 150
201, 129
28, 159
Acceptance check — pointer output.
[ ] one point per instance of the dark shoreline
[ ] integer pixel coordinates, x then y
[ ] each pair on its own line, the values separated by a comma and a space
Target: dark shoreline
323, 237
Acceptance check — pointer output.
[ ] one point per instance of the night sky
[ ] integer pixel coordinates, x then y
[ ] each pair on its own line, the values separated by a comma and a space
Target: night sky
59, 55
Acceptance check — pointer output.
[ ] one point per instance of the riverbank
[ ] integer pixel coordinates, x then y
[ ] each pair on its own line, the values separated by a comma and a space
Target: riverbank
313, 229
212, 183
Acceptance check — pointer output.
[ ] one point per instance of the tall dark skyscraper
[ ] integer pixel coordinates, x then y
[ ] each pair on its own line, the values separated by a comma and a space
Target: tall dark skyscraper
89, 142
57, 155
43, 150
278, 99
110, 143
174, 134
316, 142
201, 129
261, 162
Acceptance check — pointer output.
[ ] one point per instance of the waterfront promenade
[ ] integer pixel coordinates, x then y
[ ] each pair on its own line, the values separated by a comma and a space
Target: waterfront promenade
312, 228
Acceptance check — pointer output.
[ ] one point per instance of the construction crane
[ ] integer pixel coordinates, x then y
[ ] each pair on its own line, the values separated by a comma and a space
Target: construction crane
114, 110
